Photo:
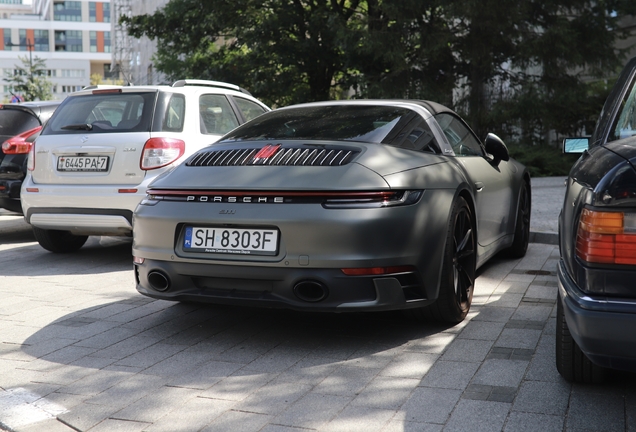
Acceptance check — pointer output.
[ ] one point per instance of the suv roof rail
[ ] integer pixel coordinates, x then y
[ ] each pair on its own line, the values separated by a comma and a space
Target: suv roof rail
185, 82
100, 86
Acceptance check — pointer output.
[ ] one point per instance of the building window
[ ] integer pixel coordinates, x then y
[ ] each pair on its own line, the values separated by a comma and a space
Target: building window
106, 7
23, 40
67, 11
93, 40
71, 88
68, 40
107, 41
41, 40
7, 40
92, 11
73, 73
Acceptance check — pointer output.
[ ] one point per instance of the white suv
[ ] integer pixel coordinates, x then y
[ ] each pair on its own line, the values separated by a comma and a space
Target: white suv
93, 162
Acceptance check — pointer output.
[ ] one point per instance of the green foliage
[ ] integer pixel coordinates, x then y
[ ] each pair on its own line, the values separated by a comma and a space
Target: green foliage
543, 160
30, 81
530, 71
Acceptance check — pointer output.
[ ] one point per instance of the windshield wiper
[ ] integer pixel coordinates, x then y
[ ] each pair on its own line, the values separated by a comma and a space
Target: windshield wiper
82, 126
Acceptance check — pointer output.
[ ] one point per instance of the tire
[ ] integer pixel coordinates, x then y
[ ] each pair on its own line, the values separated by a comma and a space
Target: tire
458, 270
522, 226
59, 241
571, 362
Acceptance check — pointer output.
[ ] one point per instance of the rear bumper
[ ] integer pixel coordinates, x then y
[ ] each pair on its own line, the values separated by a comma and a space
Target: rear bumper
81, 209
10, 194
601, 326
325, 290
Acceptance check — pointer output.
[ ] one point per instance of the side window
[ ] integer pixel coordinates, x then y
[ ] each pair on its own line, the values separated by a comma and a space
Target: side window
416, 135
626, 124
248, 108
216, 115
462, 140
175, 114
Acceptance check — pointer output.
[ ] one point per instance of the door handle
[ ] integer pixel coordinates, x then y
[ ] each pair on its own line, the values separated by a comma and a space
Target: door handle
479, 186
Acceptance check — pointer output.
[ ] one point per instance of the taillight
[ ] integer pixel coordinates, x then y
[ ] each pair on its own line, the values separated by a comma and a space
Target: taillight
31, 158
159, 152
374, 271
18, 143
606, 237
372, 199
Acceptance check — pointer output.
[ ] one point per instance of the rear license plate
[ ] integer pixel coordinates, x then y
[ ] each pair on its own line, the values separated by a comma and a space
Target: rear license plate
82, 163
231, 240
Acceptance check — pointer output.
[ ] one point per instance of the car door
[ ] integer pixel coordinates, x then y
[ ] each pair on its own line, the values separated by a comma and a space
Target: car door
493, 194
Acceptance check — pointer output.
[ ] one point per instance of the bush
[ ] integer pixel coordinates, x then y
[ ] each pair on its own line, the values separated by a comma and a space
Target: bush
543, 160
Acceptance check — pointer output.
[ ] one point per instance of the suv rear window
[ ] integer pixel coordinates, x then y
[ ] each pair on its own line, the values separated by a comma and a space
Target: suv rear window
103, 113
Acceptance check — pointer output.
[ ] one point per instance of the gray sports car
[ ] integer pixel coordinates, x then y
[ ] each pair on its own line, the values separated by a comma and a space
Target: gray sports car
335, 206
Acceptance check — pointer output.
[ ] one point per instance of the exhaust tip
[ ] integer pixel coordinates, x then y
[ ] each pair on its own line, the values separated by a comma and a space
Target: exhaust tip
310, 291
158, 281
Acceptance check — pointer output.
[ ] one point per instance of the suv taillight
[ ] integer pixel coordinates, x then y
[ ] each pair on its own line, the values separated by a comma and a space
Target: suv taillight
18, 143
159, 152
31, 158
607, 237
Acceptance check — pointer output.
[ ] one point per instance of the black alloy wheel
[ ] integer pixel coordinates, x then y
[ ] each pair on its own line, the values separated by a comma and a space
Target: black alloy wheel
463, 262
458, 270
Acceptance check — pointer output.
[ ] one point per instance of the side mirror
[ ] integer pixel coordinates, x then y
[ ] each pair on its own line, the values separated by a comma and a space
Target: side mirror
496, 148
576, 145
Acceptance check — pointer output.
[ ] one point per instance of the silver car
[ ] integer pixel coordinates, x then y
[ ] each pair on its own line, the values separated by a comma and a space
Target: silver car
335, 206
92, 163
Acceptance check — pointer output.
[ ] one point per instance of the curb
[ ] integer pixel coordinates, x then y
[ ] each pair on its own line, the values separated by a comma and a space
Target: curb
550, 238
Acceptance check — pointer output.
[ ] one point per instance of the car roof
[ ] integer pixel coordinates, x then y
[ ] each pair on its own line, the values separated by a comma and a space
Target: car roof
432, 107
186, 85
37, 108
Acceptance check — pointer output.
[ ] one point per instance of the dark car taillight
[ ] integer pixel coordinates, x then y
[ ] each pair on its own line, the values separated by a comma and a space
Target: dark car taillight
606, 237
159, 152
18, 144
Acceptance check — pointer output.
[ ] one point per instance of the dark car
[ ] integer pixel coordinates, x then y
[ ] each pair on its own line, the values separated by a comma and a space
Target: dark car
596, 308
335, 206
19, 125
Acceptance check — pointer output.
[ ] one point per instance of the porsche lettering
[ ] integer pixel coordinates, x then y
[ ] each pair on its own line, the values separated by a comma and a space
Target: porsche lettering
233, 199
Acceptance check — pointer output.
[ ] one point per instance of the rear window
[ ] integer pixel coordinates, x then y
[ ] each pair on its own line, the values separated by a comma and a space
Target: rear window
14, 122
103, 113
373, 124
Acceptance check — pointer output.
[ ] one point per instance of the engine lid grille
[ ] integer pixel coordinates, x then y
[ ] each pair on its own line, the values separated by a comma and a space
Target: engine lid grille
275, 155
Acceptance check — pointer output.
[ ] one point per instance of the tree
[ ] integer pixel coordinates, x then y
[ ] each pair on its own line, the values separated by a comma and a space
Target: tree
30, 80
97, 79
522, 69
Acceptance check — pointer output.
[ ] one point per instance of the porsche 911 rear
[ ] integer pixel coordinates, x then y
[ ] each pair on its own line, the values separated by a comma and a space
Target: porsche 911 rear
334, 206
325, 234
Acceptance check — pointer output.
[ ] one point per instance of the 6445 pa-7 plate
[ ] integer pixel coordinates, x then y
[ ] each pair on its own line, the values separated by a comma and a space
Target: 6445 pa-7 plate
82, 163
230, 240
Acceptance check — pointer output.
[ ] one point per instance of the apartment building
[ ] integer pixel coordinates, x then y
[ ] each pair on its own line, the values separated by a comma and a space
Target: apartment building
72, 37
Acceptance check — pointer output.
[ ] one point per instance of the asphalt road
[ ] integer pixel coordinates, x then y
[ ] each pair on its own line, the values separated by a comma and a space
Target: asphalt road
81, 350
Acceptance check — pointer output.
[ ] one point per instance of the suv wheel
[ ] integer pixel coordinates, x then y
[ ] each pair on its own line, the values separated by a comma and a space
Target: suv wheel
59, 241
571, 362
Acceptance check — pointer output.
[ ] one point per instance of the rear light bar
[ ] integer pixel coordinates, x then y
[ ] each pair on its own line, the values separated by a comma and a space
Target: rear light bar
330, 200
18, 143
374, 271
102, 91
606, 237
159, 152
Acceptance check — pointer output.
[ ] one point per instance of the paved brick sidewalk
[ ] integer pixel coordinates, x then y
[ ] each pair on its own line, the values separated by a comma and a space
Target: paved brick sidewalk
81, 350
